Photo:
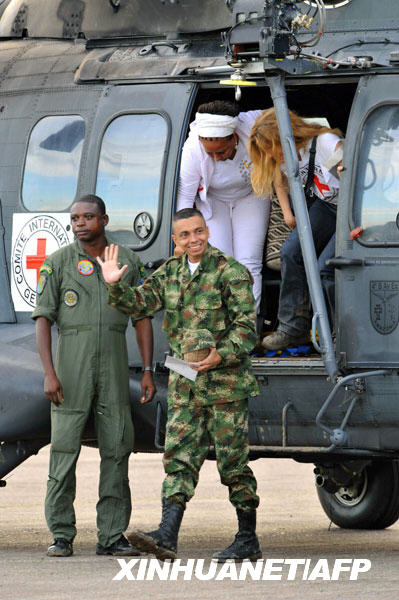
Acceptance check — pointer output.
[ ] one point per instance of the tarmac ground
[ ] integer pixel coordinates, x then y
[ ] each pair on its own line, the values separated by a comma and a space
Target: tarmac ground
291, 526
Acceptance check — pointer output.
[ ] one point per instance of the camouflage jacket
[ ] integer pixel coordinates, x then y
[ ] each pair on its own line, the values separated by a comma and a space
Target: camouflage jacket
218, 297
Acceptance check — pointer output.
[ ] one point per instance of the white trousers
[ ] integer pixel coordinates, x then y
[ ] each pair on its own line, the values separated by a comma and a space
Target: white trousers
239, 229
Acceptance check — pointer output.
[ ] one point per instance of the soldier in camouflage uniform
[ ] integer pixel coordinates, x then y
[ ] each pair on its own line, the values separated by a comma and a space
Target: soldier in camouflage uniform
208, 301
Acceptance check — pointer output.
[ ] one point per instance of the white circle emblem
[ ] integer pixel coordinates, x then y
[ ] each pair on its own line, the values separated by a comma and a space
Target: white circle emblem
36, 239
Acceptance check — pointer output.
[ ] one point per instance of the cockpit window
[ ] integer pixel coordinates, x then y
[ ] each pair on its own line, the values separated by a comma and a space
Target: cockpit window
129, 175
52, 163
376, 206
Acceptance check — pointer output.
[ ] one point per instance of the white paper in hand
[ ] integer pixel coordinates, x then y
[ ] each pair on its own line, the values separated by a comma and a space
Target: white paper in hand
181, 366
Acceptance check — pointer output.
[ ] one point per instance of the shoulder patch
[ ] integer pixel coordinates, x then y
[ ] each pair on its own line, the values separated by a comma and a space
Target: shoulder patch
45, 269
41, 282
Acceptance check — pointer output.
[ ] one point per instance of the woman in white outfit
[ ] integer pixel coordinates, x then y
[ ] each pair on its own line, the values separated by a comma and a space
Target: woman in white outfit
215, 175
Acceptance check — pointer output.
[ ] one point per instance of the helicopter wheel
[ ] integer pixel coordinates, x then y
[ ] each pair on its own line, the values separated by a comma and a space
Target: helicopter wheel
371, 501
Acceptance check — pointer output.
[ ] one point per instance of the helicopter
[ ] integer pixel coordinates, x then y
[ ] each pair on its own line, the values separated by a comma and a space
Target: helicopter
97, 97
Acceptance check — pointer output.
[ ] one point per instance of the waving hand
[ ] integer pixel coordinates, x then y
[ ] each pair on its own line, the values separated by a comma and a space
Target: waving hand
111, 272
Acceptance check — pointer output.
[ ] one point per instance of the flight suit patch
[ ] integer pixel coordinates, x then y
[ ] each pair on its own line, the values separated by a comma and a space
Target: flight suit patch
85, 267
41, 282
46, 269
71, 298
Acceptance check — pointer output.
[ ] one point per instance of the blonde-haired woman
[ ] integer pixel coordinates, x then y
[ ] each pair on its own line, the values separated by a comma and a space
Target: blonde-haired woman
268, 172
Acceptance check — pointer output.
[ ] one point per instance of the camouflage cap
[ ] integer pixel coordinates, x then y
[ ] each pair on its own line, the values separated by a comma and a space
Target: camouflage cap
197, 339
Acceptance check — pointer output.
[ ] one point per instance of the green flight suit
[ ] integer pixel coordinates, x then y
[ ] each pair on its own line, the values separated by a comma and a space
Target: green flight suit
92, 367
213, 409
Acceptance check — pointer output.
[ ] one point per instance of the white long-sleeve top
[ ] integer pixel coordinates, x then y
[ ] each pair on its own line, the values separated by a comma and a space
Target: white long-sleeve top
197, 168
325, 184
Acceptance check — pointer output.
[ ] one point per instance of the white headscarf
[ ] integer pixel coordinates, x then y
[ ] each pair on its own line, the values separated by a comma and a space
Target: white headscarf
215, 126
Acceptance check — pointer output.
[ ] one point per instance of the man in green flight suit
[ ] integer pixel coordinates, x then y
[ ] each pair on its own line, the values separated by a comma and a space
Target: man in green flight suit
207, 298
90, 377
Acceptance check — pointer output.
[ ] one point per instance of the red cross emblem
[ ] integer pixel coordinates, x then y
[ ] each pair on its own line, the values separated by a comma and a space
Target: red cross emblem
320, 186
35, 262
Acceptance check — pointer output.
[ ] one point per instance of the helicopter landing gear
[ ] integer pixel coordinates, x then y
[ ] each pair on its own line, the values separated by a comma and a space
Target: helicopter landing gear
370, 500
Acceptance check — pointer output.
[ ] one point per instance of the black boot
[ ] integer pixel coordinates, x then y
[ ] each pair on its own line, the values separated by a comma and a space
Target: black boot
60, 547
163, 541
246, 543
119, 548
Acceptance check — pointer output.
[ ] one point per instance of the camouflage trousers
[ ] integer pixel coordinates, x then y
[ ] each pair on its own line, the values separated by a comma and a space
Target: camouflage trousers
191, 429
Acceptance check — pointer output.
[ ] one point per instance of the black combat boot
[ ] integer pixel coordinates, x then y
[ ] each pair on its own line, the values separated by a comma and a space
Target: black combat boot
119, 548
163, 541
60, 547
246, 543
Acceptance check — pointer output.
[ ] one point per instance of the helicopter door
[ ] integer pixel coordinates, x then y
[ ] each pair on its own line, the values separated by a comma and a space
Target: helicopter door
367, 246
134, 151
132, 158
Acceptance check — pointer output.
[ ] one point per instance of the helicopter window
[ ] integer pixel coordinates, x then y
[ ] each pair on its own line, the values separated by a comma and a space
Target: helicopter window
376, 206
52, 163
129, 174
